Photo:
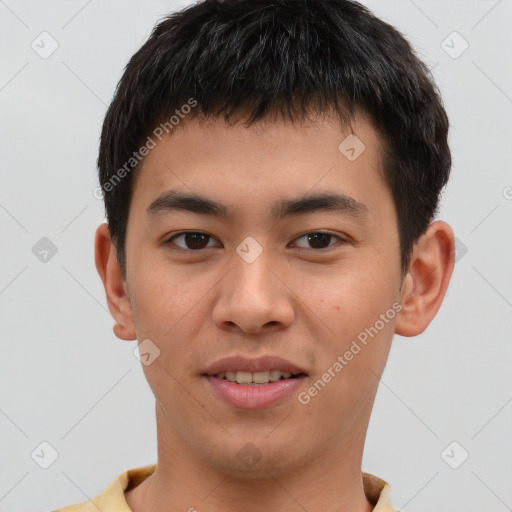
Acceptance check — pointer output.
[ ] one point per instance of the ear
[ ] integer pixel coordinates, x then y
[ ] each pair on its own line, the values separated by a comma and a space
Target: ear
425, 285
118, 299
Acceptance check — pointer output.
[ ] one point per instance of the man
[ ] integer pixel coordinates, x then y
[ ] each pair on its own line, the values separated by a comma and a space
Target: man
271, 172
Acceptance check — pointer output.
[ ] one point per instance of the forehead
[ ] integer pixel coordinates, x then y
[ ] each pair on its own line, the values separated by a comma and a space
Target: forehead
270, 160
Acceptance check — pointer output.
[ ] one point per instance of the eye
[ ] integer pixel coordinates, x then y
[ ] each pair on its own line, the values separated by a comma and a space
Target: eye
193, 240
318, 240
197, 240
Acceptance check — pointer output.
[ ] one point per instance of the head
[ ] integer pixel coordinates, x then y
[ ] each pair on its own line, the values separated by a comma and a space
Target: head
249, 104
294, 57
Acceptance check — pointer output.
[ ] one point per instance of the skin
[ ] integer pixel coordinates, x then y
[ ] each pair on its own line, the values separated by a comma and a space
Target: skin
302, 302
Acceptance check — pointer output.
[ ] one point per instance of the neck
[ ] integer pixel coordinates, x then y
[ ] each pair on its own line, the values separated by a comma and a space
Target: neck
183, 481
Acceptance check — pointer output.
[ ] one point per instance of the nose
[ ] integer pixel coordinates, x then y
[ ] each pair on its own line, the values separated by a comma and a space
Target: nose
254, 298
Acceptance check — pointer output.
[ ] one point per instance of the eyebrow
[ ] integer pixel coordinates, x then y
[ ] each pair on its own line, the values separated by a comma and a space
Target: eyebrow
174, 200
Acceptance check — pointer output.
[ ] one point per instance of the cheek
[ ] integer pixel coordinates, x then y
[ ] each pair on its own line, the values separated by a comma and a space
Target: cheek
170, 309
164, 311
357, 307
347, 302
166, 298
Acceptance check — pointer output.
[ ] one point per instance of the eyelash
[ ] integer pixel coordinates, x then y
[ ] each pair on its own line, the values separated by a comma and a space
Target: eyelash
182, 233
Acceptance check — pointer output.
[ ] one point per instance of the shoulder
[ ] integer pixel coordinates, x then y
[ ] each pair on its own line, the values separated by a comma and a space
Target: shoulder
113, 499
378, 493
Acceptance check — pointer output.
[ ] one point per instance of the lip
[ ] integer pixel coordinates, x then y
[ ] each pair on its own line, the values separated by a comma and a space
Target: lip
245, 364
253, 397
250, 396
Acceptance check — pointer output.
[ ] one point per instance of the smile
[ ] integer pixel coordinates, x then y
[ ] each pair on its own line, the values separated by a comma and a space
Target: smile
256, 378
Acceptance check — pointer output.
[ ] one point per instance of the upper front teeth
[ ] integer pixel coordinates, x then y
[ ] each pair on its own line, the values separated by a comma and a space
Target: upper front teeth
256, 377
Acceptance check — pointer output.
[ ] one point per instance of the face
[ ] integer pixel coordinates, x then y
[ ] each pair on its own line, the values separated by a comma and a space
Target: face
263, 284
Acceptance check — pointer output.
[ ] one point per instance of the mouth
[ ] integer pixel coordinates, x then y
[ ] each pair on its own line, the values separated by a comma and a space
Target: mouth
253, 384
258, 378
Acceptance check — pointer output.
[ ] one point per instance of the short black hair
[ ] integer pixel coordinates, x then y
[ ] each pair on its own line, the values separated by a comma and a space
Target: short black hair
291, 57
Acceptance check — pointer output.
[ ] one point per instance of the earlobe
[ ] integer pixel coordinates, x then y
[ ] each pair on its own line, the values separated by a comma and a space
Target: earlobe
424, 287
118, 299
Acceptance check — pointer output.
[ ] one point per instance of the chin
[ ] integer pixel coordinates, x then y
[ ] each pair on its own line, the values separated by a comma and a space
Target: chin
257, 459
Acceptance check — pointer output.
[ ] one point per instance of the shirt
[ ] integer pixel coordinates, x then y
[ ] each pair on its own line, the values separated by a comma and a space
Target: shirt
112, 499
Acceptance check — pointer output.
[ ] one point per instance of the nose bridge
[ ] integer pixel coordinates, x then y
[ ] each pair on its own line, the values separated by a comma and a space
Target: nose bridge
253, 296
252, 279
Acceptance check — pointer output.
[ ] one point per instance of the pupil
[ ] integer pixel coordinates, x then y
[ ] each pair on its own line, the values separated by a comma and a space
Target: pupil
196, 240
315, 236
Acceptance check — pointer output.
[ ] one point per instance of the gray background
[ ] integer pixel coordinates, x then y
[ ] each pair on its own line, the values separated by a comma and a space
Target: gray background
67, 380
